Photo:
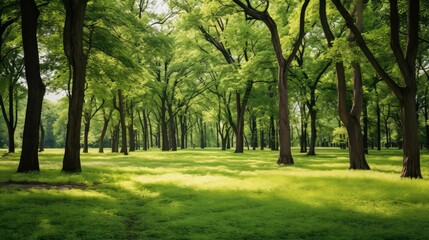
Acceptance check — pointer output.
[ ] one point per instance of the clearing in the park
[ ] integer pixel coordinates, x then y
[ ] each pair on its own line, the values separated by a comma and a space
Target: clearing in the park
213, 194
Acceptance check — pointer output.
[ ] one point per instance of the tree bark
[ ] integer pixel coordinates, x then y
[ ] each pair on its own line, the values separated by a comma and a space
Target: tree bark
73, 48
29, 160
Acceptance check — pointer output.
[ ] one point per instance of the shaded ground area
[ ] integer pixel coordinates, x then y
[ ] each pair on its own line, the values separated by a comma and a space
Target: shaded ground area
38, 185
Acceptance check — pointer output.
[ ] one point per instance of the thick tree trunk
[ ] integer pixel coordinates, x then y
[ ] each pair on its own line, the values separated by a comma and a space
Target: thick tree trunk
29, 160
356, 148
411, 162
73, 48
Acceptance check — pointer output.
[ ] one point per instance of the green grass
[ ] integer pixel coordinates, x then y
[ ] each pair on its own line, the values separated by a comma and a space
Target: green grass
210, 194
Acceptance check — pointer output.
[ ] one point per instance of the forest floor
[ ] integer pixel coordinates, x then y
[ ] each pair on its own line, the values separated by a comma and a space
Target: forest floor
213, 194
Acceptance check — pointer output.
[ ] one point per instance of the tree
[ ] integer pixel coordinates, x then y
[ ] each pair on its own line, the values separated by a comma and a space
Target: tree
349, 117
12, 67
29, 160
406, 62
283, 68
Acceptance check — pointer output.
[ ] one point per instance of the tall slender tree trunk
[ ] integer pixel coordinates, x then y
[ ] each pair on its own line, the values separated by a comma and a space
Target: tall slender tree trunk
426, 116
313, 115
42, 139
378, 131
86, 127
73, 48
106, 120
29, 160
131, 132
365, 126
121, 109
172, 129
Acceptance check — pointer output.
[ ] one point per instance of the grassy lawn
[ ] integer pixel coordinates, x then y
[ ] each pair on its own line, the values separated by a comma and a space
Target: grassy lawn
210, 194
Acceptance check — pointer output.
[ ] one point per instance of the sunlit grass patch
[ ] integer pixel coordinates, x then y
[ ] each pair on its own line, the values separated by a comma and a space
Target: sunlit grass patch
213, 194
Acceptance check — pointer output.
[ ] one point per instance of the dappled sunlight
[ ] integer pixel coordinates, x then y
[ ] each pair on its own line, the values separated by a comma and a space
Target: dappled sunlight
193, 194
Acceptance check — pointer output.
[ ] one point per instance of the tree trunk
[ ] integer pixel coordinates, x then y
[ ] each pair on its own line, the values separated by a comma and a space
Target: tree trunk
426, 115
241, 110
285, 156
272, 133
365, 126
356, 148
103, 131
303, 138
42, 139
378, 113
313, 115
87, 123
254, 131
73, 48
29, 160
411, 162
164, 128
120, 108
115, 138
172, 129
